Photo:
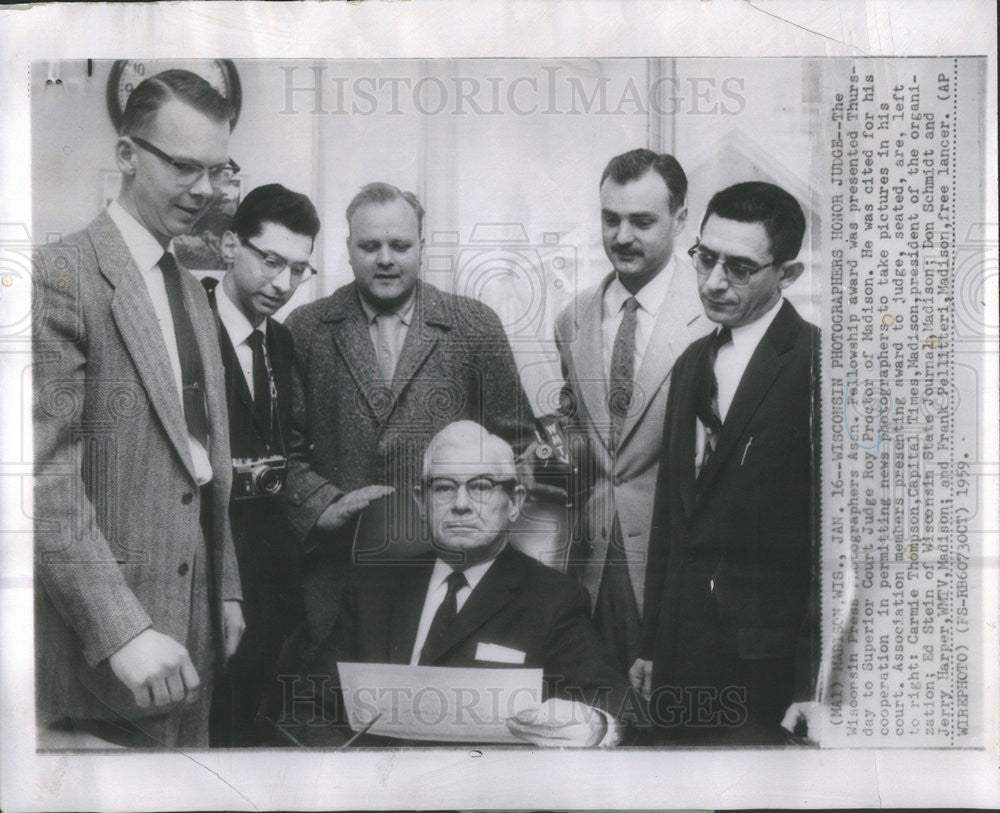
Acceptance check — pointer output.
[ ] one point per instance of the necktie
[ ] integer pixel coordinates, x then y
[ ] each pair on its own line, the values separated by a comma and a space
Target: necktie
622, 371
446, 613
262, 396
387, 330
707, 393
192, 372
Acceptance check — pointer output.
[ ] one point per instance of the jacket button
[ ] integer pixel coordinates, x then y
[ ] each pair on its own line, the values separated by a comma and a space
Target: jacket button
183, 569
186, 499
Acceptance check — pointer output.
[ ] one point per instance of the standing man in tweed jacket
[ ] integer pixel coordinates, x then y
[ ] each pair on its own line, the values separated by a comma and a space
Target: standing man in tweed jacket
137, 600
382, 365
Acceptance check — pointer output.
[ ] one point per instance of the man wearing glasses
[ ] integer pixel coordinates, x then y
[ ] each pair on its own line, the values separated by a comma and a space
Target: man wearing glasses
138, 597
728, 641
472, 600
267, 251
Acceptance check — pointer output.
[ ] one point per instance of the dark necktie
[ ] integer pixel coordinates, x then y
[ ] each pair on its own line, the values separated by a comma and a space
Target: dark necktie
262, 395
446, 613
622, 371
707, 393
192, 372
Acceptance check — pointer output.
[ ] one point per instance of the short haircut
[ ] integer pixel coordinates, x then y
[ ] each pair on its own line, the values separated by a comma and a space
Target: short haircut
154, 92
380, 193
631, 166
478, 445
767, 204
274, 203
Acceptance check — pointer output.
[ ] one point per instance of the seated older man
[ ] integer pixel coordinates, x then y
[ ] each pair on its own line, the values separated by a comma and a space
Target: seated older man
475, 589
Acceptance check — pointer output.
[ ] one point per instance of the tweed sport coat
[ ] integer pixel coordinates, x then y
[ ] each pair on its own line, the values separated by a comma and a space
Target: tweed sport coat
623, 481
117, 505
350, 428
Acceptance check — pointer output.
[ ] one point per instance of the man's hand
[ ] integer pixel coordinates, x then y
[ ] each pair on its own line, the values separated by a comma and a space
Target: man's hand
338, 514
233, 626
559, 723
806, 720
156, 669
641, 677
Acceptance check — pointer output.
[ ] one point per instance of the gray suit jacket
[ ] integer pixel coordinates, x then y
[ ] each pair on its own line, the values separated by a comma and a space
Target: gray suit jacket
623, 482
349, 429
117, 507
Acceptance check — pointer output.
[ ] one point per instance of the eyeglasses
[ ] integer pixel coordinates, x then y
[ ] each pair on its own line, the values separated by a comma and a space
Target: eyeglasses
737, 273
274, 264
480, 489
188, 172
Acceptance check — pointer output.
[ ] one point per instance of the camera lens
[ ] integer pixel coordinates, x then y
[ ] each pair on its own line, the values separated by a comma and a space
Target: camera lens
268, 480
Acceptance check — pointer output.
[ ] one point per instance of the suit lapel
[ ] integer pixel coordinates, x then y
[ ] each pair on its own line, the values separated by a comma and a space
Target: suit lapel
588, 359
135, 317
683, 428
677, 324
354, 343
497, 588
236, 381
759, 375
421, 337
407, 606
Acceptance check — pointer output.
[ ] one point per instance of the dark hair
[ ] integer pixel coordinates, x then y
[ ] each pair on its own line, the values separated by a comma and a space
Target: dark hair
154, 92
379, 192
275, 204
632, 165
765, 203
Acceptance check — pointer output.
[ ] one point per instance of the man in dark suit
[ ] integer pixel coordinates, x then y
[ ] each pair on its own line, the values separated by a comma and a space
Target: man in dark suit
382, 364
728, 641
473, 601
267, 251
137, 598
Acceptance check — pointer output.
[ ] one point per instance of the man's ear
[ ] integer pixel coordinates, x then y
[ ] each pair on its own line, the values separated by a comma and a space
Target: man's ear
125, 156
228, 246
516, 502
680, 220
790, 272
418, 497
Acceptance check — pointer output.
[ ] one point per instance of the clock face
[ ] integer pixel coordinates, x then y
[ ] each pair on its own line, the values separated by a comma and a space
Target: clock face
126, 74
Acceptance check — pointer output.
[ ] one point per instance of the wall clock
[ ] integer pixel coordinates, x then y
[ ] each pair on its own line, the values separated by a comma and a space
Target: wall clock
127, 73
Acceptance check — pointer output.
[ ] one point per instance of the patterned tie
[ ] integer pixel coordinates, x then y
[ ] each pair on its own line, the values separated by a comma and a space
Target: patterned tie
622, 371
263, 405
707, 397
192, 372
445, 615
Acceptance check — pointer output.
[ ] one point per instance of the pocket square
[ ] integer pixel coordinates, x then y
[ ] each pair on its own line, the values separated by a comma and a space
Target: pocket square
498, 654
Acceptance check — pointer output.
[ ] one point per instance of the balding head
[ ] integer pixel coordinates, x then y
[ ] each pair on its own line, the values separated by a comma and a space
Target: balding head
468, 445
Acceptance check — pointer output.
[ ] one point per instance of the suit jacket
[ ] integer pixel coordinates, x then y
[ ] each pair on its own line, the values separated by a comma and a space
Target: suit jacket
117, 533
622, 482
731, 554
350, 430
519, 604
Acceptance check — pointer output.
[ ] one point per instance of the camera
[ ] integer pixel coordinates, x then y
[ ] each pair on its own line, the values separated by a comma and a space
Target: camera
255, 477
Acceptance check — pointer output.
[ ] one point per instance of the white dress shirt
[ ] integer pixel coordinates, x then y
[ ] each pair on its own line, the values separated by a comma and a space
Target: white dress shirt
730, 364
146, 251
240, 330
650, 298
437, 589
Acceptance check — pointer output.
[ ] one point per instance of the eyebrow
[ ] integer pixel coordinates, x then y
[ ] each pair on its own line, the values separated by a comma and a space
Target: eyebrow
739, 258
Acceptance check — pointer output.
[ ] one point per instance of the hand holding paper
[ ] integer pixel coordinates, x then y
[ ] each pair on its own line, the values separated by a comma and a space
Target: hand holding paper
558, 723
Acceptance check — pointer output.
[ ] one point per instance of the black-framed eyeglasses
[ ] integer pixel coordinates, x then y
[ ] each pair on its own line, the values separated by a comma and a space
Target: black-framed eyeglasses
189, 172
737, 273
274, 264
480, 489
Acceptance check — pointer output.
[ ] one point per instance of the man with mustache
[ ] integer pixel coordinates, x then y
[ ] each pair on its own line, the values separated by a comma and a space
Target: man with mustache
138, 600
729, 636
617, 345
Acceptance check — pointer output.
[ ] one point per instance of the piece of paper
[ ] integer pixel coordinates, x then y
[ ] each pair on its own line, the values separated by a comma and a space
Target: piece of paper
438, 703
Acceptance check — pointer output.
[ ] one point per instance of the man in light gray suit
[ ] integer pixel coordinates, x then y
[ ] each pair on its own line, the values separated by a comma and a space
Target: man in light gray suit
137, 597
617, 345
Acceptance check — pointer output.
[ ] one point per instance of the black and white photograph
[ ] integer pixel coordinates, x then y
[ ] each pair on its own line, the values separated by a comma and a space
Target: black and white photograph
408, 424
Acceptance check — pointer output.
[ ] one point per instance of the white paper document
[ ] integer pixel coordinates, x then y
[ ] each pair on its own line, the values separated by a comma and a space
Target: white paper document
437, 703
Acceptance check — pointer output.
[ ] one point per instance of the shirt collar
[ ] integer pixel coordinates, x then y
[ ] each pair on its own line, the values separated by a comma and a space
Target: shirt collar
233, 319
144, 248
749, 336
404, 311
473, 574
650, 297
